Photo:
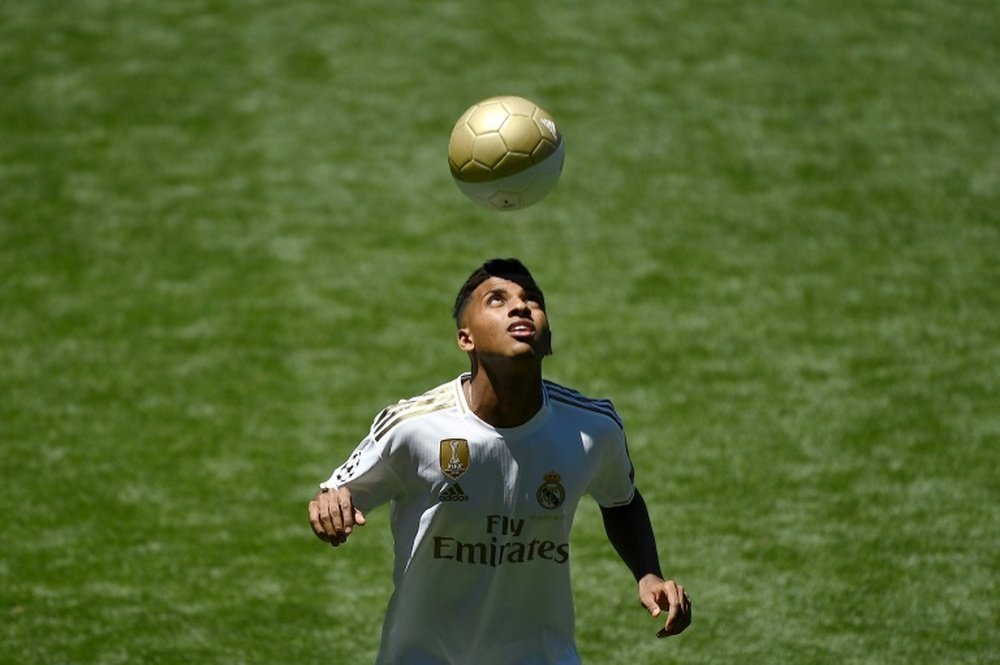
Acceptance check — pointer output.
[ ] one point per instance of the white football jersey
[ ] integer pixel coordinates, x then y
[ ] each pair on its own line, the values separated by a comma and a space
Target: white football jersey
481, 520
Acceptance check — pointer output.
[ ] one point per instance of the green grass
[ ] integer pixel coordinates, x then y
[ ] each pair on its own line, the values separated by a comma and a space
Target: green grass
228, 236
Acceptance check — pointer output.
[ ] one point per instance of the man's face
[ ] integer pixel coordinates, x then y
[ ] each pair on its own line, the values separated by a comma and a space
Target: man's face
505, 318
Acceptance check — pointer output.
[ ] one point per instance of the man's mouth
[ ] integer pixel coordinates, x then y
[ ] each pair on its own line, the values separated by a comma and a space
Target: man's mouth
521, 329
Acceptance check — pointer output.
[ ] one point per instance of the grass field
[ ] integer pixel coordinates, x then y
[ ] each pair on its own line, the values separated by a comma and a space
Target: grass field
228, 237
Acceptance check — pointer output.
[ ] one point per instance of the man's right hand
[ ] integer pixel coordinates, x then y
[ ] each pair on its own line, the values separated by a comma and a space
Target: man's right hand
333, 516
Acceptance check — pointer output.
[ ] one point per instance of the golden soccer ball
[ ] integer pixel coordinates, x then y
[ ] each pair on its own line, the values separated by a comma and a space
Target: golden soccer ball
506, 153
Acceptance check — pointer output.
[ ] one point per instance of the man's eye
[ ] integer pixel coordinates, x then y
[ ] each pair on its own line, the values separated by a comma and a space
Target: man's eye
495, 300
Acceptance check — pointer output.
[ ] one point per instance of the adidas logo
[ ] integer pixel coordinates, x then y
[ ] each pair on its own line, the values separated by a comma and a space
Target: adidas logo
453, 493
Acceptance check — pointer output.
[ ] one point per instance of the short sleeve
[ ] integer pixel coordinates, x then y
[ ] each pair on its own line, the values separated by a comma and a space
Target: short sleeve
614, 483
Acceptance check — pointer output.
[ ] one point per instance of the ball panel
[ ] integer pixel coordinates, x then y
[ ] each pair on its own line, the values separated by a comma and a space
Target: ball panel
460, 147
487, 117
546, 124
543, 149
464, 118
511, 163
520, 133
489, 149
474, 172
518, 105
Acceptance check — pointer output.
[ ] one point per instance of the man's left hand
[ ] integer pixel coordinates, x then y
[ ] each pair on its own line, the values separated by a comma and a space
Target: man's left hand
657, 595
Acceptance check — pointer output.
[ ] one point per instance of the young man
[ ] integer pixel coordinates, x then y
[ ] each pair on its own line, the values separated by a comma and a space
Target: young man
484, 474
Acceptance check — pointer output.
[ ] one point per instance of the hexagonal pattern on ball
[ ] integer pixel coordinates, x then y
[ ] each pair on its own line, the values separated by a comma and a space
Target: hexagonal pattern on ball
527, 131
487, 117
520, 133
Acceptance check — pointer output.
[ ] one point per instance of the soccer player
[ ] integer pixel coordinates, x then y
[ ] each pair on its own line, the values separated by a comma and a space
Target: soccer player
484, 474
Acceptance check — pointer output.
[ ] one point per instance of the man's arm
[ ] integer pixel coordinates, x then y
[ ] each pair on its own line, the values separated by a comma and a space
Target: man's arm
631, 534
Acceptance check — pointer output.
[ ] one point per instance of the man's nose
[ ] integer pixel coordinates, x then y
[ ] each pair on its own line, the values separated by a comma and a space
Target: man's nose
519, 305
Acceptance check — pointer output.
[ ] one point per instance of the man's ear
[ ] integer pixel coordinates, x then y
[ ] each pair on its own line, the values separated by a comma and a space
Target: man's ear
465, 340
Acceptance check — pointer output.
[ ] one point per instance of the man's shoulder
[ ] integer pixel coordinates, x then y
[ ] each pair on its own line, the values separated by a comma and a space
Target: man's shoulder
439, 398
577, 402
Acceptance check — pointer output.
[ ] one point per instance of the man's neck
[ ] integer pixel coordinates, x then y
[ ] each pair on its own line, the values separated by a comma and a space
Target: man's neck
505, 398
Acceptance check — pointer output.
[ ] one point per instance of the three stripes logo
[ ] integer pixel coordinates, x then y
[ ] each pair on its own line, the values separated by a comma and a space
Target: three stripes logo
453, 493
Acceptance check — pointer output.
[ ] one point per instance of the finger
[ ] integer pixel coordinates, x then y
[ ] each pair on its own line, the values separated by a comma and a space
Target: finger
680, 625
334, 515
671, 622
359, 517
673, 626
325, 522
335, 531
649, 602
346, 511
680, 622
684, 614
314, 521
325, 518
673, 609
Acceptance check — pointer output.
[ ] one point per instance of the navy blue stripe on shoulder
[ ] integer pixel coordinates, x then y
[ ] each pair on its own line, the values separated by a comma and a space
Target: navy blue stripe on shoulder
571, 397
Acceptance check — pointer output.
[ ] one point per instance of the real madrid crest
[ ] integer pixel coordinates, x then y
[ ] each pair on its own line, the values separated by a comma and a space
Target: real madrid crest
551, 493
454, 457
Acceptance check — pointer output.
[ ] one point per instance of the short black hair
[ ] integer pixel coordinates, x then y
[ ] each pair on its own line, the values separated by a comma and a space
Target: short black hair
510, 269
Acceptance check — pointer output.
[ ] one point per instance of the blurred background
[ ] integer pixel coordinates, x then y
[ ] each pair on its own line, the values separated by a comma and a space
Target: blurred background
229, 237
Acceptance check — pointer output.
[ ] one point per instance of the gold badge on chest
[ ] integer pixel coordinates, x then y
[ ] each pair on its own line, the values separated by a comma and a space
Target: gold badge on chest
454, 457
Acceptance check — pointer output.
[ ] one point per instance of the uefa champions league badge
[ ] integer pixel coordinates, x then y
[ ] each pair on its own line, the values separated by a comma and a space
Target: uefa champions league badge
347, 469
551, 493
